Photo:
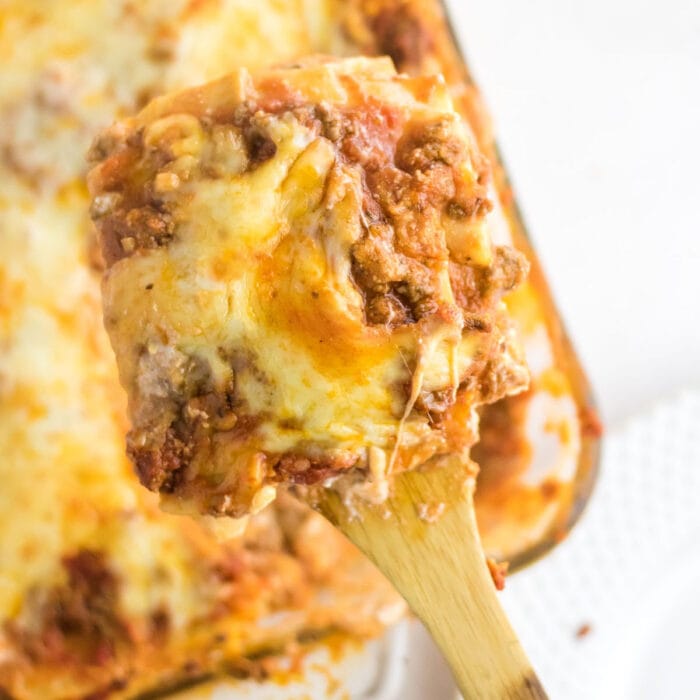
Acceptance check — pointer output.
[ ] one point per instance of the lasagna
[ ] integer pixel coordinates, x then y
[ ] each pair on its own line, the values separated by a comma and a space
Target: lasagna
103, 595
301, 283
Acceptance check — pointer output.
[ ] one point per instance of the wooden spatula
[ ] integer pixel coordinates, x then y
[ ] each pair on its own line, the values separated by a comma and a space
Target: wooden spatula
437, 564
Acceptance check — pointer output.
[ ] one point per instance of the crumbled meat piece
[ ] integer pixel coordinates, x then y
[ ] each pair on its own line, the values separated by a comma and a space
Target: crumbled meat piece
260, 146
145, 227
498, 572
156, 467
583, 630
300, 469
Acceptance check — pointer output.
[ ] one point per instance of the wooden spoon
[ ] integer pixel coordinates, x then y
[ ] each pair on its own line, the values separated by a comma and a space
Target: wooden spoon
440, 569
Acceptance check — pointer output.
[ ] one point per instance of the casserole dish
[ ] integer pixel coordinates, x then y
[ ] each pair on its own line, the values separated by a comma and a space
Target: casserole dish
101, 594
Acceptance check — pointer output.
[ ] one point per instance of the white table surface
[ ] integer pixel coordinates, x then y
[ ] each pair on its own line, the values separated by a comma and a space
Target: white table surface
597, 109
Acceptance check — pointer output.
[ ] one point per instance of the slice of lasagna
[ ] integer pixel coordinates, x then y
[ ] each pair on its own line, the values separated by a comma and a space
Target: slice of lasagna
301, 283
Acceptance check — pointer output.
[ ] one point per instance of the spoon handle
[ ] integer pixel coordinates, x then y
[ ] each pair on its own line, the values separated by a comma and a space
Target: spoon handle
432, 554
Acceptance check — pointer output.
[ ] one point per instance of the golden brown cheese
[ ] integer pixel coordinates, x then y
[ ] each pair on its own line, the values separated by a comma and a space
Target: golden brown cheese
300, 280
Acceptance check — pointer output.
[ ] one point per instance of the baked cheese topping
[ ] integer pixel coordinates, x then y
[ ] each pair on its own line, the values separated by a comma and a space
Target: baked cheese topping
301, 280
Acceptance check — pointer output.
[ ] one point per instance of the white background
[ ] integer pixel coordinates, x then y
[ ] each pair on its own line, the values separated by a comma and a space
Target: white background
596, 105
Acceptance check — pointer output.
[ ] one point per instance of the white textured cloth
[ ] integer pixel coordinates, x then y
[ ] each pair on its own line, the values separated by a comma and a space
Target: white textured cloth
630, 570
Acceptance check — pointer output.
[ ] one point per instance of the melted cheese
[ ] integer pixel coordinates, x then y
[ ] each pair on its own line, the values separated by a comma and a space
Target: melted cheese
286, 302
